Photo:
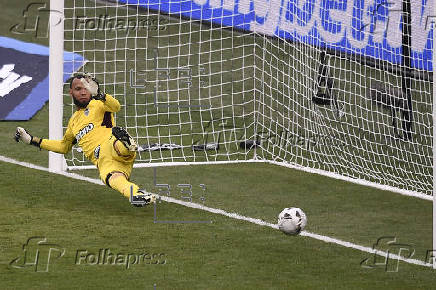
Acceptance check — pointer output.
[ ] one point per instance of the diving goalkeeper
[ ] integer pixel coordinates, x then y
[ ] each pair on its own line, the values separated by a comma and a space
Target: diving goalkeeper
110, 148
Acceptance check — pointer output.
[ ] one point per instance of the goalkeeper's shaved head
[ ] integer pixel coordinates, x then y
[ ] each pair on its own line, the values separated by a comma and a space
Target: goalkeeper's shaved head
77, 76
81, 96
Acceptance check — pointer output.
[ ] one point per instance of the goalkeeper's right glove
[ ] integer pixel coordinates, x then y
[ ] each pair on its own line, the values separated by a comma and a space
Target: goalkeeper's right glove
23, 135
93, 87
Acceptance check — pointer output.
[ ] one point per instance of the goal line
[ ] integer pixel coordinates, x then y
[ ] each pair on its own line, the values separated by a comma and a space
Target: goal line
287, 165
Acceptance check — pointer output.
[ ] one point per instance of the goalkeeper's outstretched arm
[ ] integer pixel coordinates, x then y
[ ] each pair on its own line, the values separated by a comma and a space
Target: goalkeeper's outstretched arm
59, 146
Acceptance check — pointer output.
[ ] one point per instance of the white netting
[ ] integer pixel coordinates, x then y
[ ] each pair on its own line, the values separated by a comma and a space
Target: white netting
179, 82
199, 85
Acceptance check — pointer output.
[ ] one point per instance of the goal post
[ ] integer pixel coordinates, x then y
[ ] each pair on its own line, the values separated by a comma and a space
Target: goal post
56, 61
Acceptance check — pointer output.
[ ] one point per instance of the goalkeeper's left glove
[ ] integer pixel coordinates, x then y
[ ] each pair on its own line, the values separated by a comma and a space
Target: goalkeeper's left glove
23, 135
92, 85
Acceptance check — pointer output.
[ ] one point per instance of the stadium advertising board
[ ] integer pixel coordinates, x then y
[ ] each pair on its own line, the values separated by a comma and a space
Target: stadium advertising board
24, 77
370, 28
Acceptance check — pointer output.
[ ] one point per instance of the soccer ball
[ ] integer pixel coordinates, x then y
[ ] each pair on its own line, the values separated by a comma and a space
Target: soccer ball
292, 220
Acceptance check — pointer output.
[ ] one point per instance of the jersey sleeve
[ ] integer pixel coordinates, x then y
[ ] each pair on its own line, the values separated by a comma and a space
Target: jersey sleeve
111, 104
60, 146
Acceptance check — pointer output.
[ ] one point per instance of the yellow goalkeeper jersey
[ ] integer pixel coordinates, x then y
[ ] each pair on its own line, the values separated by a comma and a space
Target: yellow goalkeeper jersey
88, 127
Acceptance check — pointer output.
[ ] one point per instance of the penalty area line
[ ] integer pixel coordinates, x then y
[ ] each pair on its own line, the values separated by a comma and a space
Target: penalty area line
233, 215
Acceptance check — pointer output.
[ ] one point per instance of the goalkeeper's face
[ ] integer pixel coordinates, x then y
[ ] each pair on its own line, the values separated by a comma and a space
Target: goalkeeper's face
80, 94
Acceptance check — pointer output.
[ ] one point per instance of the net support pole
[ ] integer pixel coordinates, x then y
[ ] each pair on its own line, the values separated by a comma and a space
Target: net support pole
56, 48
434, 135
407, 69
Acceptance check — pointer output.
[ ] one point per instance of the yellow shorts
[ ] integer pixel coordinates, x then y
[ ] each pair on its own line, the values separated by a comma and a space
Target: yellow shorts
109, 161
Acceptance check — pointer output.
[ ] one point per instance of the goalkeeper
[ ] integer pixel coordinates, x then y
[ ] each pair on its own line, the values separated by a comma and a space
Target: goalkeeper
110, 148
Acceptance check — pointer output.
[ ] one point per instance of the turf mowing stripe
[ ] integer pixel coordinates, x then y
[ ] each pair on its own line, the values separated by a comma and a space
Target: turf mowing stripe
232, 215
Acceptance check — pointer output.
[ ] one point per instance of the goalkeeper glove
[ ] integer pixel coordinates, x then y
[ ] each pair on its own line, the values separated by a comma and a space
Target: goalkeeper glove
92, 85
23, 135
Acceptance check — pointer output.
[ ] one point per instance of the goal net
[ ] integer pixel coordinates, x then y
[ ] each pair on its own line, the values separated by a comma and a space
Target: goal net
336, 88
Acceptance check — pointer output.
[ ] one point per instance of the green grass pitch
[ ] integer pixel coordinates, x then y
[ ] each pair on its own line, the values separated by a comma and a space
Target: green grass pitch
83, 218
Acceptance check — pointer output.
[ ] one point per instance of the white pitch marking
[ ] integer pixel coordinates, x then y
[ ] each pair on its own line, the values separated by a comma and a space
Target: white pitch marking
230, 215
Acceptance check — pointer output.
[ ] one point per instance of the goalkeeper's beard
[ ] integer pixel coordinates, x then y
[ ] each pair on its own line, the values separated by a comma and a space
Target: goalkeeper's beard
79, 104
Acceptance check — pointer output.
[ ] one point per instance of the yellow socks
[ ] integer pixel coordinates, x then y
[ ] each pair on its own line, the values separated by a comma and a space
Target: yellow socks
121, 184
